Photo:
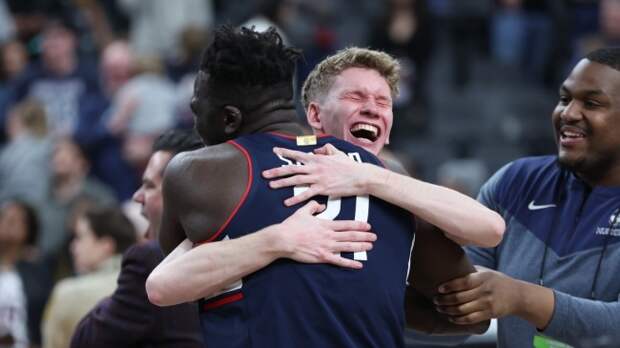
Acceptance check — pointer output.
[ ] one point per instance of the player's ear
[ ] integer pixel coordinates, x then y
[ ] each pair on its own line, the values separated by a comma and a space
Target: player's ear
232, 119
313, 115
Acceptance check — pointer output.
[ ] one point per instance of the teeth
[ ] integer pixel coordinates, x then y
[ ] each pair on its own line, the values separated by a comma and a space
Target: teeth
570, 134
367, 127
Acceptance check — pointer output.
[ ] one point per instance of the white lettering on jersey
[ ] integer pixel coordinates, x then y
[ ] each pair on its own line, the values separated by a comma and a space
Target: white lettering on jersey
332, 210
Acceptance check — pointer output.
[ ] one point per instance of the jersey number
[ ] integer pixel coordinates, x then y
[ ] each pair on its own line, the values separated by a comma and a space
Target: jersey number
332, 210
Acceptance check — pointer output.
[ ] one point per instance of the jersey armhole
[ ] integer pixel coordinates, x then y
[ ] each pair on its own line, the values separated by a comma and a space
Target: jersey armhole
244, 196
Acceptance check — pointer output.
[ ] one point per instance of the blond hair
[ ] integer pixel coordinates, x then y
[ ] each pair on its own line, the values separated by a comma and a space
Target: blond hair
31, 114
321, 78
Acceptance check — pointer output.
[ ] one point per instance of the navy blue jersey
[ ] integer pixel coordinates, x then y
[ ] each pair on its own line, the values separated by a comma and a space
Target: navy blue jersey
312, 305
564, 234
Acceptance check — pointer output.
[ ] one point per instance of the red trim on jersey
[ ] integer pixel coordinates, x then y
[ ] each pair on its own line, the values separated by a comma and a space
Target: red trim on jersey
243, 197
380, 160
223, 301
293, 137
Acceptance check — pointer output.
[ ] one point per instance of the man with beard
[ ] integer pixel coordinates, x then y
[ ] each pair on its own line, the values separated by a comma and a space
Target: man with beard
554, 276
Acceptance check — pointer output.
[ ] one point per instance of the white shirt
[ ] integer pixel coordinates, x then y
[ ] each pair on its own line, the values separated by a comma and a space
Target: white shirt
13, 315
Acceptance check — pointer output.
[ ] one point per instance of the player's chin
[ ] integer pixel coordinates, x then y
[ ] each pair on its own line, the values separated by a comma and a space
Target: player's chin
570, 159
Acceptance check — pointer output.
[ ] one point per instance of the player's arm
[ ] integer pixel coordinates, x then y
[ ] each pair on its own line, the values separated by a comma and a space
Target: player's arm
563, 317
490, 294
435, 260
214, 266
171, 232
461, 217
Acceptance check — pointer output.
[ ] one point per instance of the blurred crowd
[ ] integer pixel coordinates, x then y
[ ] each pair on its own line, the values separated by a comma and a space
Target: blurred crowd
86, 86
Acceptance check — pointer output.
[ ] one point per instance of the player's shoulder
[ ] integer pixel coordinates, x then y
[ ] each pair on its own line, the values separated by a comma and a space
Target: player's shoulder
529, 168
533, 163
520, 178
203, 159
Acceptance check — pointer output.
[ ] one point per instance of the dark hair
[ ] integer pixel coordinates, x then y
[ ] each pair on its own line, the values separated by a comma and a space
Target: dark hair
247, 58
609, 56
178, 140
111, 222
32, 221
61, 21
78, 146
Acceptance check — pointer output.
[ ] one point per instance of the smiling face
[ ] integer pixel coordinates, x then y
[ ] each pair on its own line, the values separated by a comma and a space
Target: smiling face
587, 122
357, 108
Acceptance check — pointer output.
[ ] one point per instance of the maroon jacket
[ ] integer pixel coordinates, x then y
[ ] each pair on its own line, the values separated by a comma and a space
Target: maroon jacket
128, 319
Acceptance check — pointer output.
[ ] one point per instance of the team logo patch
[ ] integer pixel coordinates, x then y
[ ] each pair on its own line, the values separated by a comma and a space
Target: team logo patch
306, 140
613, 226
614, 220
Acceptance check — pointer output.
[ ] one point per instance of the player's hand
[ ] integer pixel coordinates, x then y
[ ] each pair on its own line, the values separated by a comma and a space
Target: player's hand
309, 239
478, 296
327, 172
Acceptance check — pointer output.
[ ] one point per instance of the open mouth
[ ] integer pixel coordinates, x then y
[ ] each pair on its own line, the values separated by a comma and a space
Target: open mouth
571, 133
365, 131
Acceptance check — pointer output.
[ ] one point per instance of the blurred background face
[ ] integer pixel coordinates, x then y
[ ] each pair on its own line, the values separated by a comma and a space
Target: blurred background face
149, 194
116, 66
13, 225
58, 48
87, 250
14, 59
67, 159
610, 18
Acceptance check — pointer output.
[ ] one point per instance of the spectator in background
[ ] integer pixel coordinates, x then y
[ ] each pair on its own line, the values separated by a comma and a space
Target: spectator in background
156, 24
99, 32
610, 21
24, 160
104, 149
101, 236
25, 282
182, 71
116, 67
268, 13
191, 41
127, 318
468, 30
184, 118
406, 33
144, 108
70, 183
60, 81
606, 29
13, 60
522, 35
7, 25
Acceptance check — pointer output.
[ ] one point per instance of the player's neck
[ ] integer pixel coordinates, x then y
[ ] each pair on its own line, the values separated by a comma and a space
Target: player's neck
285, 127
282, 119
